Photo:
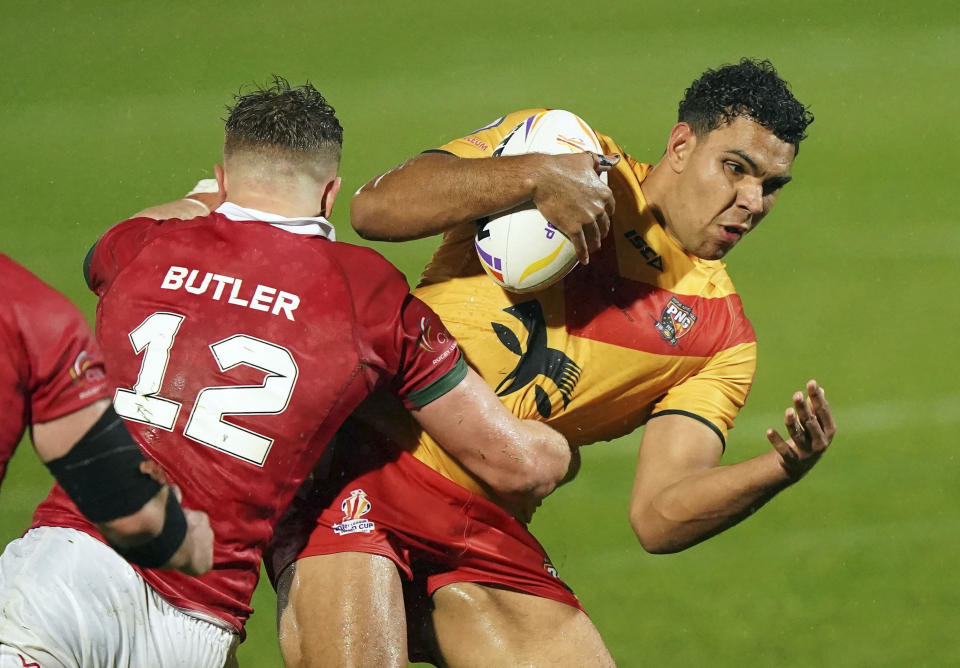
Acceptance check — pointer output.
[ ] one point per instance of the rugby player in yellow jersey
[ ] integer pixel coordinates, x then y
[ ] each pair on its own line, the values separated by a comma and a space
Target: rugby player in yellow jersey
648, 330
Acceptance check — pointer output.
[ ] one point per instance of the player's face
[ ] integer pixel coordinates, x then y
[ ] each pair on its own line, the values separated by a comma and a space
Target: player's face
729, 182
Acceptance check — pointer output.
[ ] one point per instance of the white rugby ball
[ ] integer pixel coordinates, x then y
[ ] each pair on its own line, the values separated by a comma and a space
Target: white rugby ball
519, 248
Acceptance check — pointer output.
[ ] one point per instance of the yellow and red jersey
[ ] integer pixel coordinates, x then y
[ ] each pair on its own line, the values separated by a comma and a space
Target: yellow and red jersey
645, 329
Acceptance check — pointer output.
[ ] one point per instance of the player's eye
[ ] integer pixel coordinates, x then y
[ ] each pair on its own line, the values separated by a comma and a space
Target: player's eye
734, 167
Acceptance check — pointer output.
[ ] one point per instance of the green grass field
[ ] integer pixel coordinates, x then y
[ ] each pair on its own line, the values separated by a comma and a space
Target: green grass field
112, 106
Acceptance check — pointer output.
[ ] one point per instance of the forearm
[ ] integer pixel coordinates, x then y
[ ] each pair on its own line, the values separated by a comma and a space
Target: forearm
520, 460
704, 503
530, 465
139, 527
205, 197
184, 209
433, 192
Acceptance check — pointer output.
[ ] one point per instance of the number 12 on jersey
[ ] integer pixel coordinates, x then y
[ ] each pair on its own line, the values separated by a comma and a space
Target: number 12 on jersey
154, 338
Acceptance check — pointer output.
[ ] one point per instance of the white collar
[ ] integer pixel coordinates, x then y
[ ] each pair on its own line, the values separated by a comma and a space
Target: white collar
317, 226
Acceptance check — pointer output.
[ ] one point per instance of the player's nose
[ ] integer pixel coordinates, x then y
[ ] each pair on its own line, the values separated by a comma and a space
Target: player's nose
750, 197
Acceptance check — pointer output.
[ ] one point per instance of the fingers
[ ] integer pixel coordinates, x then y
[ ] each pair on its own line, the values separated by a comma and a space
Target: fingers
781, 446
820, 407
595, 230
794, 425
593, 235
810, 425
201, 537
571, 195
603, 225
579, 241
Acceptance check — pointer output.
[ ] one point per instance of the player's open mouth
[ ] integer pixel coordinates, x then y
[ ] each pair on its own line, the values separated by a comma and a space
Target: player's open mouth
732, 232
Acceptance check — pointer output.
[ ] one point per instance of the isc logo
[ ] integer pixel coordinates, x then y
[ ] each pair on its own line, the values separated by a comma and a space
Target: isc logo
650, 255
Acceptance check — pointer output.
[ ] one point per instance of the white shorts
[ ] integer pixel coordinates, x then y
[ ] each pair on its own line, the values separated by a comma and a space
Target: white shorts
66, 599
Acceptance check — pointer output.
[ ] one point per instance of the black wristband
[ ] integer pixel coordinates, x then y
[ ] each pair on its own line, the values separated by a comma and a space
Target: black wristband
101, 473
157, 551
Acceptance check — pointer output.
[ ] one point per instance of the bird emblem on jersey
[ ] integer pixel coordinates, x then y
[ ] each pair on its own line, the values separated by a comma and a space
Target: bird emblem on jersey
538, 359
354, 507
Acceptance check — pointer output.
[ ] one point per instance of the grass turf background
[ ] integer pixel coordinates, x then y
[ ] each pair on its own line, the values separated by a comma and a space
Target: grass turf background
110, 107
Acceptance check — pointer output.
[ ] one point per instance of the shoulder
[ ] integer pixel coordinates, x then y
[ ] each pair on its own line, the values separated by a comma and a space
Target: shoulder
43, 321
15, 275
131, 226
28, 294
360, 263
138, 231
482, 141
373, 283
116, 249
740, 329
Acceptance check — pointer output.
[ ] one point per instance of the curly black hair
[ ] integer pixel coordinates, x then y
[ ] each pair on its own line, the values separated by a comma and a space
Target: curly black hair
280, 117
751, 88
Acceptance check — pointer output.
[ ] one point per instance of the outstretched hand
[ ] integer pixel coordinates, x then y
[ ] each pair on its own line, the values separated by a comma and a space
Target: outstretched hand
811, 427
570, 194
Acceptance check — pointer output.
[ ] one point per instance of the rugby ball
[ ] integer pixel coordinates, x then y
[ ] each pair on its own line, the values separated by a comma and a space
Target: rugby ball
519, 248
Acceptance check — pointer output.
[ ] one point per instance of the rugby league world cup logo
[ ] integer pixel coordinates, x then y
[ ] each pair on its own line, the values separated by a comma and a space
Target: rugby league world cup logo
354, 507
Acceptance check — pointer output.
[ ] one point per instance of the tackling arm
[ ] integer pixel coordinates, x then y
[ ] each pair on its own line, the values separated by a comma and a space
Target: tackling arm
101, 475
206, 196
433, 192
521, 460
682, 497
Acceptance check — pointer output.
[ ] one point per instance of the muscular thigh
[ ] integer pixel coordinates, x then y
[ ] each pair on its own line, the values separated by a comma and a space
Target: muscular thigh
341, 610
478, 625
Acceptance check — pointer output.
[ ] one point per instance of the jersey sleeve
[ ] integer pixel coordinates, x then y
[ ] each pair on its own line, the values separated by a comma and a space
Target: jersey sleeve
401, 336
715, 395
64, 367
115, 249
482, 143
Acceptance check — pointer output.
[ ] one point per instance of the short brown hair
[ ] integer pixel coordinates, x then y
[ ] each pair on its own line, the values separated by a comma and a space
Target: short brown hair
278, 118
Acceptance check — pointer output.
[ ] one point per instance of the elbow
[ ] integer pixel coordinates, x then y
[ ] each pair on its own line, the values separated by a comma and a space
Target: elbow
555, 464
537, 475
654, 537
365, 219
531, 478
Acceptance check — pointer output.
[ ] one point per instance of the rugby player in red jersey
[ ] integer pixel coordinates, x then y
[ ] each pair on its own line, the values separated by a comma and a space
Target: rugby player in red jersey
52, 380
238, 342
651, 332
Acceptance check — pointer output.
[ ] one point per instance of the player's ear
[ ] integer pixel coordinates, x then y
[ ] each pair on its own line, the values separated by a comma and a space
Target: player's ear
221, 180
680, 146
329, 195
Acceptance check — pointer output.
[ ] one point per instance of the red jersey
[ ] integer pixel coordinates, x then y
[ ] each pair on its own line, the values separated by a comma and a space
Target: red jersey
50, 365
238, 349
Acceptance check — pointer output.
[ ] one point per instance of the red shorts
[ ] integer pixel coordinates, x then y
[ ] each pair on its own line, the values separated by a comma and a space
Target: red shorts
378, 500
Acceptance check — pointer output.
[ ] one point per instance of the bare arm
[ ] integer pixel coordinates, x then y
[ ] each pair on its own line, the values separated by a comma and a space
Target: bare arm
184, 209
433, 192
521, 460
206, 196
682, 497
56, 438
